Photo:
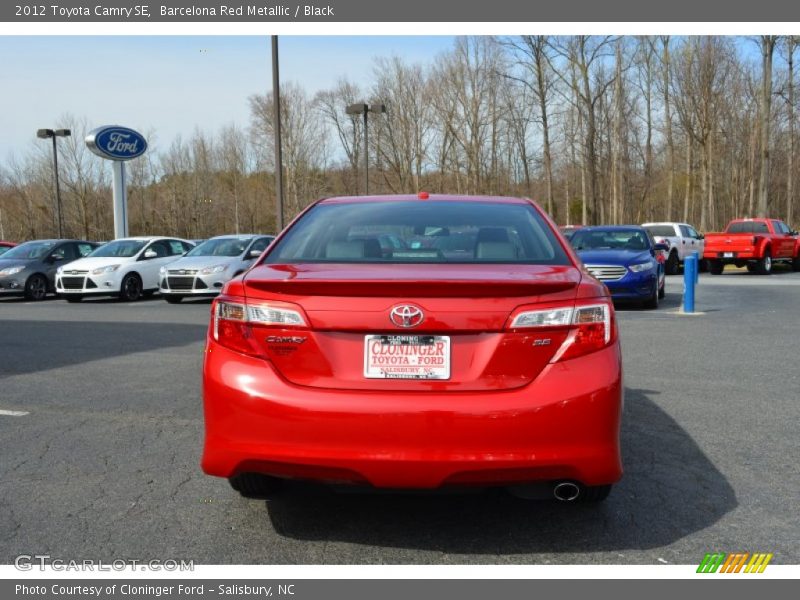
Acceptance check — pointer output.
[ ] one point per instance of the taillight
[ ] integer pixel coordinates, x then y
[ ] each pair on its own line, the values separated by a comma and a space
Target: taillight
591, 327
233, 322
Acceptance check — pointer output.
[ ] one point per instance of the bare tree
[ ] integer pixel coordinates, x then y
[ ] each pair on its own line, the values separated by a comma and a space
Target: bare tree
765, 112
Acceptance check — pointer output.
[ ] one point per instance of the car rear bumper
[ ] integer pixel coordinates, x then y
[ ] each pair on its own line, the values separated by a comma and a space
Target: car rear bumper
736, 256
563, 425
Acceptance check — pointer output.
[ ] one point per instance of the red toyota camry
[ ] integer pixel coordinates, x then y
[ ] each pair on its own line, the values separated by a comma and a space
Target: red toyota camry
416, 342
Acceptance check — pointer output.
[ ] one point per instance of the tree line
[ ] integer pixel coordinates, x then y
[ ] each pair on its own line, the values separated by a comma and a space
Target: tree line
597, 129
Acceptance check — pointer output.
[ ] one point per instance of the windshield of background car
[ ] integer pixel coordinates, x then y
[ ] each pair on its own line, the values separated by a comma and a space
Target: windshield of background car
120, 249
618, 239
661, 230
223, 247
436, 232
30, 250
4, 249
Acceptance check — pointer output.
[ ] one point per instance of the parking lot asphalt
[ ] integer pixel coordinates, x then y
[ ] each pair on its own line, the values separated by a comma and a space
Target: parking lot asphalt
104, 464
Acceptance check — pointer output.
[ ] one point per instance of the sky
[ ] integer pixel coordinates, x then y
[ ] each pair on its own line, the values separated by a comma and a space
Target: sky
171, 84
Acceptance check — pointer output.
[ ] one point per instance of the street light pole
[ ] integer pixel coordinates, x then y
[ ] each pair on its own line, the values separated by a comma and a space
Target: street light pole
58, 191
276, 112
53, 134
359, 109
366, 152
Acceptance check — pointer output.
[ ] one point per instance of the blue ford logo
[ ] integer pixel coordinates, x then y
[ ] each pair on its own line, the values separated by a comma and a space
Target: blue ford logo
116, 143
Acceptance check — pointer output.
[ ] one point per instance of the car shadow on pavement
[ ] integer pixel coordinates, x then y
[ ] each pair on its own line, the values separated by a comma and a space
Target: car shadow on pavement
65, 343
670, 490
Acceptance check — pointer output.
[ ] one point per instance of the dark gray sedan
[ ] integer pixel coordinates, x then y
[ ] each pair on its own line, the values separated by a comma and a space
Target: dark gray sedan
29, 269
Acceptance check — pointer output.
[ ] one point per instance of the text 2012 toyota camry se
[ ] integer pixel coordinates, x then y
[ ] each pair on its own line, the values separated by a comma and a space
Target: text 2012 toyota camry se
477, 352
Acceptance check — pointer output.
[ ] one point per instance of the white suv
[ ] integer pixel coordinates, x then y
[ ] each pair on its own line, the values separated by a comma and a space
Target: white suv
682, 240
127, 268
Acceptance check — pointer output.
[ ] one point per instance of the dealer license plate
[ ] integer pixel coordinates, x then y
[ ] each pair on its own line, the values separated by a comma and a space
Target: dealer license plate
407, 357
727, 255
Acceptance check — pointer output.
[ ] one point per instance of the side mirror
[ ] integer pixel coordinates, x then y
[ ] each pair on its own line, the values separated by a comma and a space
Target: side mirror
254, 254
55, 258
150, 253
700, 236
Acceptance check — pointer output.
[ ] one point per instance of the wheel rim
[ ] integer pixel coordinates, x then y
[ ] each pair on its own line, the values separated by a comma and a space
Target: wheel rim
768, 263
38, 288
131, 288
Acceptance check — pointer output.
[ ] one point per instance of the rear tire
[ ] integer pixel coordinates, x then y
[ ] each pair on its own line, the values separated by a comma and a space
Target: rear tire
255, 485
173, 299
36, 288
751, 267
796, 263
594, 494
715, 267
764, 266
671, 266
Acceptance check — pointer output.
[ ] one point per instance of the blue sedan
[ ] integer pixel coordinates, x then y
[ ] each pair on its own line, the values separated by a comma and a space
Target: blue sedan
625, 258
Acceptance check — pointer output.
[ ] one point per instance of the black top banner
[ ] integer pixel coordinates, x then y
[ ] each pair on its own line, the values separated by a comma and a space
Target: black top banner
408, 10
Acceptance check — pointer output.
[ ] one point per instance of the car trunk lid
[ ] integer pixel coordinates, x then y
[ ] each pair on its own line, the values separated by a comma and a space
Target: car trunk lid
464, 307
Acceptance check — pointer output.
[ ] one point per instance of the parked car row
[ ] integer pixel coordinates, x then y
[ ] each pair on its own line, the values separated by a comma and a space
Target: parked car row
626, 258
127, 268
755, 243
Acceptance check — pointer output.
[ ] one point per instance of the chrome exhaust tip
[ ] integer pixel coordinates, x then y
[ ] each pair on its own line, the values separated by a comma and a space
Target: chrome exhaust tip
566, 491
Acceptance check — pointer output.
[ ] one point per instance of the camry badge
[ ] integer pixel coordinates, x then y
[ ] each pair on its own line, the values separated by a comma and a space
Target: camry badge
406, 315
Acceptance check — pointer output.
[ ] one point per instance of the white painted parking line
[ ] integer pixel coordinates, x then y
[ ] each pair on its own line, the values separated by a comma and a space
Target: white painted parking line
13, 413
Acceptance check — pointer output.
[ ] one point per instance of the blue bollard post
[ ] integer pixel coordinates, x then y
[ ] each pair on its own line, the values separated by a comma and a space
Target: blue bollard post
697, 267
689, 281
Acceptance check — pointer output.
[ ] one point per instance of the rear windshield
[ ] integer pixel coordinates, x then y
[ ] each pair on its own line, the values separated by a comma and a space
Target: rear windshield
661, 230
613, 239
747, 227
420, 232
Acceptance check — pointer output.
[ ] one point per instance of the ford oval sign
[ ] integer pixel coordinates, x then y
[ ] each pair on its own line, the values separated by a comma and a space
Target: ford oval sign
116, 143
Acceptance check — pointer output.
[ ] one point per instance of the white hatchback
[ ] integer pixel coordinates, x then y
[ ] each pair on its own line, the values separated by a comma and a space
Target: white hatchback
204, 270
127, 268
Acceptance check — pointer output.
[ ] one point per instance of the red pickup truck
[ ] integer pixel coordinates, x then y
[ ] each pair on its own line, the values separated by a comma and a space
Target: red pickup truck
757, 243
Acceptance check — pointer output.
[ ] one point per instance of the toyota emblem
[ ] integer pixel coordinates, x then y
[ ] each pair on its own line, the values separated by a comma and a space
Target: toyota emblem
406, 315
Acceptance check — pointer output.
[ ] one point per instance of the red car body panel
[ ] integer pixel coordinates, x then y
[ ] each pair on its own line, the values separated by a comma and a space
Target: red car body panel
296, 402
751, 246
563, 426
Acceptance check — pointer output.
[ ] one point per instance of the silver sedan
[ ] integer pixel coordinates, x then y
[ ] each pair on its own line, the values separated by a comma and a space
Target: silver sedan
205, 269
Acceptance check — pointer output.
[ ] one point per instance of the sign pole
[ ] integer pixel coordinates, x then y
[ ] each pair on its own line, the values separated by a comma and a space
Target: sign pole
117, 144
120, 200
